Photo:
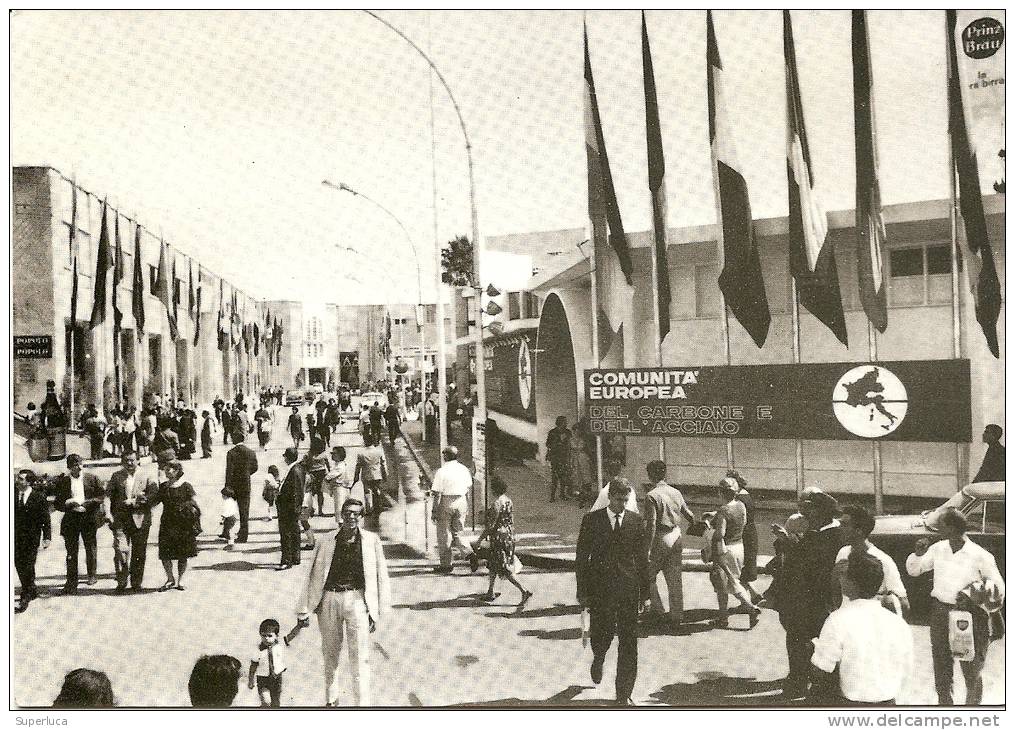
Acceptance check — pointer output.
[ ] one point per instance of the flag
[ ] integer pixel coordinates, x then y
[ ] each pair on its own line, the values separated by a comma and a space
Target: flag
981, 271
656, 184
234, 322
257, 340
163, 293
870, 226
74, 257
74, 294
246, 338
117, 275
613, 269
276, 342
197, 308
223, 338
811, 255
741, 281
175, 290
102, 265
73, 217
138, 293
190, 287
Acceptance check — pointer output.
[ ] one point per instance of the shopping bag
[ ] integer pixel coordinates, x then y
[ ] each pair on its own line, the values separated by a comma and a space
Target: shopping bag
960, 635
585, 627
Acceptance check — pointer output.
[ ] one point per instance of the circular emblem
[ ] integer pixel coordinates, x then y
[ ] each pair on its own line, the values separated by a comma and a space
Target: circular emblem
870, 401
982, 38
524, 374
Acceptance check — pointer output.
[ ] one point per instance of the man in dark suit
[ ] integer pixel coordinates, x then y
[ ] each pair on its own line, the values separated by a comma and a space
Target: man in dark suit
805, 597
612, 572
130, 495
241, 463
79, 495
31, 525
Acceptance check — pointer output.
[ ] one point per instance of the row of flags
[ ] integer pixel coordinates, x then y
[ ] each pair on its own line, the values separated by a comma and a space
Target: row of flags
246, 335
812, 255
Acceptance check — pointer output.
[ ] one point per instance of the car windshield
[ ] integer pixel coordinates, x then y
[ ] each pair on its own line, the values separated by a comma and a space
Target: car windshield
960, 500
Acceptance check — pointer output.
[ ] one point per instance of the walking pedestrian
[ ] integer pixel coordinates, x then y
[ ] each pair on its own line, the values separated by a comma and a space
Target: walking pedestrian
230, 515
347, 587
727, 548
451, 485
178, 526
290, 502
750, 570
32, 527
612, 579
130, 498
207, 427
857, 524
337, 481
269, 494
295, 427
372, 469
958, 563
228, 423
79, 495
393, 419
263, 419
557, 452
500, 530
376, 422
664, 506
611, 470
270, 662
241, 463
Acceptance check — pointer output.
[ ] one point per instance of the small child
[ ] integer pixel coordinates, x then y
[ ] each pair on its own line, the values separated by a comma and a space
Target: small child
272, 484
267, 665
230, 515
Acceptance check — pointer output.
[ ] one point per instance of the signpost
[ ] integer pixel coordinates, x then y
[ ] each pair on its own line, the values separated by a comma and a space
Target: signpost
478, 461
925, 401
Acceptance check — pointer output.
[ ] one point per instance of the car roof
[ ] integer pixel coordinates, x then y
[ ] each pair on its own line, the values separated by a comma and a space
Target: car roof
985, 490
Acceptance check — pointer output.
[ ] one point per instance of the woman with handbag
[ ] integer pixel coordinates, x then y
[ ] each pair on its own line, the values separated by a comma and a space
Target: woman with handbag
179, 526
500, 529
728, 554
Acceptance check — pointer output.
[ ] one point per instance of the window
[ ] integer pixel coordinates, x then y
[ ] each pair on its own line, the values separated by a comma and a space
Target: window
531, 305
514, 305
920, 275
706, 291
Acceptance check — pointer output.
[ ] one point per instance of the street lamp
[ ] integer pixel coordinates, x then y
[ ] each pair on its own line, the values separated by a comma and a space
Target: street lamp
476, 242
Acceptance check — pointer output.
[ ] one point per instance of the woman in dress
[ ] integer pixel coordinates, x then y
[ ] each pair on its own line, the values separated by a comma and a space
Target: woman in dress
179, 525
500, 529
728, 554
750, 572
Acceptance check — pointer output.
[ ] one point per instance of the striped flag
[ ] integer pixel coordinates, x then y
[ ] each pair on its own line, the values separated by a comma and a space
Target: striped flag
870, 226
656, 184
981, 271
614, 269
102, 266
741, 281
811, 255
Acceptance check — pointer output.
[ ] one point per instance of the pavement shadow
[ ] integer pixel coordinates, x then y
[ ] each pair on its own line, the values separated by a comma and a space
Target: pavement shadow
568, 634
564, 698
233, 566
715, 689
555, 611
471, 600
661, 628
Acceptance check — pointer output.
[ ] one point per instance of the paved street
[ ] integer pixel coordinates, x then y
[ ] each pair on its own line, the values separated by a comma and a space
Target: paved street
442, 646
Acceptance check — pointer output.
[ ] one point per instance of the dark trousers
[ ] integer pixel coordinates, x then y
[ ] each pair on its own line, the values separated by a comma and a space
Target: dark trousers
289, 536
243, 502
558, 477
944, 664
206, 447
617, 617
25, 553
800, 629
431, 429
72, 531
263, 437
274, 686
393, 431
130, 549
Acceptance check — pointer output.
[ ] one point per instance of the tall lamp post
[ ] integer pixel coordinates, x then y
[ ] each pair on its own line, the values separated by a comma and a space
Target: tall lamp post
476, 243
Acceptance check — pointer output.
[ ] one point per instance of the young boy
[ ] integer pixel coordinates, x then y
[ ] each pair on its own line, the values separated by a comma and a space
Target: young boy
230, 515
272, 484
267, 665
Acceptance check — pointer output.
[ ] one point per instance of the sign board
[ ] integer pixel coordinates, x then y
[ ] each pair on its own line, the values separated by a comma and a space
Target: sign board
925, 400
34, 347
510, 384
479, 450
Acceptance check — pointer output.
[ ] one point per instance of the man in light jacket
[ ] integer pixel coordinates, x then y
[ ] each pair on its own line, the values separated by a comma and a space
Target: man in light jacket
347, 587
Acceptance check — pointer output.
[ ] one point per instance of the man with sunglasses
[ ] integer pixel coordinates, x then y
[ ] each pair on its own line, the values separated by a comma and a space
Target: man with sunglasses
347, 587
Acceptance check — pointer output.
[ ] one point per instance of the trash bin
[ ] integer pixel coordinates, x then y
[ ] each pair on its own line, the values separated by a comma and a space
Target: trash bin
57, 443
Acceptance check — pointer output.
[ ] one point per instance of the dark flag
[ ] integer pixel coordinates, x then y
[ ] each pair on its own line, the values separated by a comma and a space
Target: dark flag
257, 340
223, 338
190, 287
811, 255
235, 334
138, 285
73, 254
117, 274
741, 281
102, 266
175, 290
870, 226
197, 308
613, 269
276, 342
981, 271
163, 293
656, 184
73, 217
74, 294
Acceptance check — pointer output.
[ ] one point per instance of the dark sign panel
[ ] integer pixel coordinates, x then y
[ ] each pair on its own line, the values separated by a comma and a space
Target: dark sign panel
510, 375
348, 367
34, 347
926, 400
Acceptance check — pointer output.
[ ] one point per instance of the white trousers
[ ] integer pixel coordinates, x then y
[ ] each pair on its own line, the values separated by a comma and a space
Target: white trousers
344, 615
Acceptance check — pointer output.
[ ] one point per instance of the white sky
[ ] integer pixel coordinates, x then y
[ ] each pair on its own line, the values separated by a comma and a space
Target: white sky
219, 126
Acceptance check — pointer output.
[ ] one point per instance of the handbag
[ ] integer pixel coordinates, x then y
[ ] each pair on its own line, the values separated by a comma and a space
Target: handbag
195, 512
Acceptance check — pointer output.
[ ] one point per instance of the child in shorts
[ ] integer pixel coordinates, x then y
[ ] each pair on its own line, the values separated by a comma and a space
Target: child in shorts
272, 484
269, 662
230, 515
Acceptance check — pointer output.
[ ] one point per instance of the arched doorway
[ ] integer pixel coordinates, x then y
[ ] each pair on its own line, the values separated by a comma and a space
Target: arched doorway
556, 383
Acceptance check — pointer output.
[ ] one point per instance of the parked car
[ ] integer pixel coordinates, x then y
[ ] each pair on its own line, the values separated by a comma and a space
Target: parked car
294, 398
982, 503
370, 396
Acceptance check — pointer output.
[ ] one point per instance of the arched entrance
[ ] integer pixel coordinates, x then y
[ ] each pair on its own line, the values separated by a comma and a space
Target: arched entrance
556, 384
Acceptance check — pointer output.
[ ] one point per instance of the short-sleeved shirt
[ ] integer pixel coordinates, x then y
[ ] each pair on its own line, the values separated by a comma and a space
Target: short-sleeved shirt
667, 504
230, 508
872, 647
277, 661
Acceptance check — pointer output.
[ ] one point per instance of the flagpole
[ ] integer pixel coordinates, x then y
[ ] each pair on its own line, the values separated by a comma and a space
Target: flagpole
872, 350
656, 318
796, 361
953, 220
595, 339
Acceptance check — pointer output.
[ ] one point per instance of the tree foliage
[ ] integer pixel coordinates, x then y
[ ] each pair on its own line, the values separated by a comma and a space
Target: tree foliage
456, 262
